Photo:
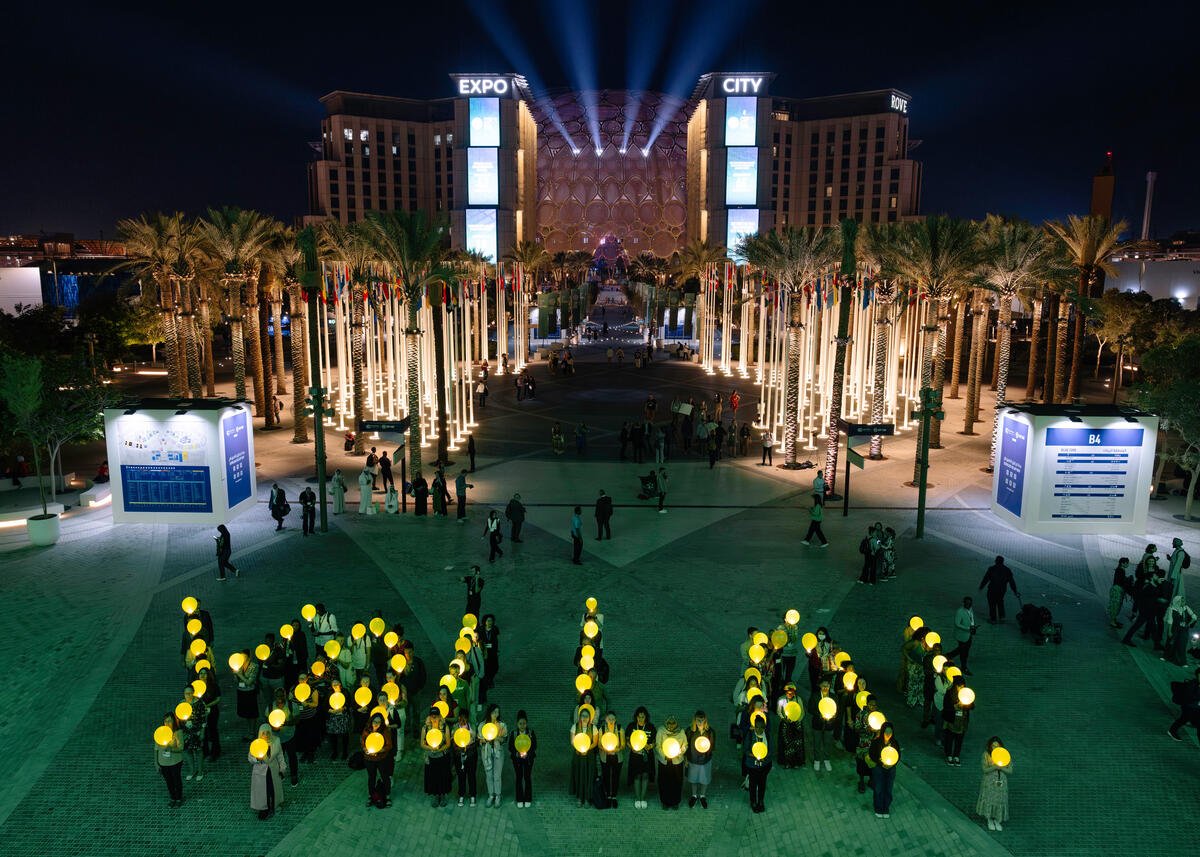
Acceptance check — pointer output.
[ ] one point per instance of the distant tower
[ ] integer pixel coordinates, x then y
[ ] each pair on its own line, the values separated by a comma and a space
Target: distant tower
1102, 188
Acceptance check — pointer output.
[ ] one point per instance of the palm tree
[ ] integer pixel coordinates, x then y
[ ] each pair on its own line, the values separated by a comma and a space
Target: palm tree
697, 259
350, 246
939, 256
876, 247
1034, 304
652, 270
236, 240
286, 259
414, 250
845, 279
532, 259
793, 257
1090, 243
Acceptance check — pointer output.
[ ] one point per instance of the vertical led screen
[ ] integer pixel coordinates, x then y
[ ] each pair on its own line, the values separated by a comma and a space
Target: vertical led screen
741, 117
1014, 445
481, 231
236, 432
741, 176
742, 222
483, 185
485, 122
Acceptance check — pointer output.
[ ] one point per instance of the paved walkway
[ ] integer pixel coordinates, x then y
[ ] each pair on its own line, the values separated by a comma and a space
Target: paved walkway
91, 642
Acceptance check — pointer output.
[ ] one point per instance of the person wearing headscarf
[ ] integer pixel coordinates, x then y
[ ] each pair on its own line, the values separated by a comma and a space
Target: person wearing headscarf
583, 764
438, 772
791, 732
992, 803
670, 767
364, 491
699, 758
266, 774
337, 487
883, 776
612, 754
1180, 620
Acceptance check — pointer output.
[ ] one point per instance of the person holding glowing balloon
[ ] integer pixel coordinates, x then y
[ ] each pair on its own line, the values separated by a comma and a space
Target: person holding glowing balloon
583, 760
377, 748
435, 741
267, 766
670, 748
882, 757
168, 757
522, 749
700, 741
993, 786
492, 735
756, 759
640, 737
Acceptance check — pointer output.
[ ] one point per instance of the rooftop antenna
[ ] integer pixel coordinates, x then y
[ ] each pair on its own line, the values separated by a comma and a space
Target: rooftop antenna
1150, 179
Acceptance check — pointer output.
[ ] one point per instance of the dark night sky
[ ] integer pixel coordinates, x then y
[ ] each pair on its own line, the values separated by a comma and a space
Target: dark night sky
112, 113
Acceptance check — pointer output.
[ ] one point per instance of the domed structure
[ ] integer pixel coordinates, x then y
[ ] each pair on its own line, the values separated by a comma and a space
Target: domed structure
632, 196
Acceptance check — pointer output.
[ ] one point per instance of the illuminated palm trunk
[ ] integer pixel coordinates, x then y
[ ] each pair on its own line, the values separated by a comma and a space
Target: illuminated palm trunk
356, 364
939, 366
210, 369
960, 319
884, 295
1004, 335
412, 350
1060, 353
237, 341
973, 372
1034, 336
832, 444
791, 415
277, 342
187, 328
927, 358
254, 343
299, 340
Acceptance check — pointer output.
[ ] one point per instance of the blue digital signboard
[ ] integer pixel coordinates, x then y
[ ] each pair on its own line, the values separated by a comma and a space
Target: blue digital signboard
165, 488
1014, 446
236, 431
741, 175
481, 231
741, 116
484, 122
483, 177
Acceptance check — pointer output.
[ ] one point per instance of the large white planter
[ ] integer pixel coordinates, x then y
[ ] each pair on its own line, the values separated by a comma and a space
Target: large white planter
43, 529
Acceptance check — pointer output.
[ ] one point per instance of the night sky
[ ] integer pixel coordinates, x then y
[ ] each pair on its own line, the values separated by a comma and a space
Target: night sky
112, 113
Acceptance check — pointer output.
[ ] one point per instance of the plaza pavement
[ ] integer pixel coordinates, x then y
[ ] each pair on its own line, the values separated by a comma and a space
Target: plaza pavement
90, 649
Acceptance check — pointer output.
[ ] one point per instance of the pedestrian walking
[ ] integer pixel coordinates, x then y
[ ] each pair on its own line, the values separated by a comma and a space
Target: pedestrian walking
522, 749
168, 756
1186, 694
1119, 590
278, 505
992, 803
515, 513
604, 513
998, 579
491, 531
471, 449
956, 717
815, 515
581, 433
385, 471
224, 552
460, 492
768, 441
308, 510
964, 633
661, 485
576, 536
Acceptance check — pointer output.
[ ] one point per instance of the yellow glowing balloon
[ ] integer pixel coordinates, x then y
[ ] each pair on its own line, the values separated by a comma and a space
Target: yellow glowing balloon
390, 639
202, 664
966, 696
194, 626
591, 604
332, 648
164, 735
462, 644
757, 653
1001, 757
860, 698
757, 717
952, 673
841, 658
583, 682
609, 742
672, 748
286, 631
381, 711
793, 711
259, 748
637, 740
189, 605
751, 672
363, 696
462, 737
317, 669
302, 691
461, 664
358, 631
760, 639
779, 639
932, 639
277, 718
581, 742
307, 612
183, 710
590, 629
875, 720
809, 641
199, 687
759, 750
449, 682
753, 692
586, 663
587, 650
374, 742
792, 617
377, 626
889, 756
939, 662
443, 707
522, 743
434, 738
827, 707
469, 633
849, 680
236, 661
337, 701
393, 693
589, 709
398, 663
915, 622
262, 651
489, 731
469, 620
702, 744
198, 647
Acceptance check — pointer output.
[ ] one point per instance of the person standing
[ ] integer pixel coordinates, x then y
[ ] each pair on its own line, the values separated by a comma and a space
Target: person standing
1176, 563
670, 768
337, 487
460, 491
640, 771
611, 759
441, 496
385, 471
661, 484
1118, 591
583, 756
515, 513
992, 803
380, 763
1179, 623
193, 734
756, 759
169, 759
491, 531
224, 552
883, 776
212, 728
522, 749
638, 441
818, 487
699, 762
821, 727
964, 633
420, 492
956, 717
791, 732
489, 642
581, 433
997, 579
277, 504
364, 491
1186, 695
471, 449
247, 693
465, 758
308, 510
768, 441
438, 772
576, 536
604, 513
491, 753
266, 774
815, 515
623, 436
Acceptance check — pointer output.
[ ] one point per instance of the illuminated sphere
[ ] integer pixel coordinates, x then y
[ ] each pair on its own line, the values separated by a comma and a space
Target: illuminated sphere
916, 622
489, 731
590, 710
860, 698
827, 707
591, 604
522, 743
262, 651
889, 756
932, 639
381, 711
581, 742
583, 682
198, 647
277, 718
759, 750
637, 740
966, 696
363, 696
587, 650
194, 626
841, 658
337, 700
672, 748
183, 710
469, 620
443, 707
398, 663
469, 633
757, 717
809, 641
199, 687
591, 629
358, 631
392, 690
259, 748
164, 735
449, 682
793, 711
875, 720
754, 692
586, 663
610, 742
462, 737
286, 631
760, 639
461, 664
307, 612
939, 662
952, 673
318, 668
433, 738
1001, 757
236, 661
203, 664
374, 742
332, 648
779, 639
302, 691
757, 653
702, 744
849, 680
792, 617
377, 626
390, 639
189, 605
752, 671
462, 644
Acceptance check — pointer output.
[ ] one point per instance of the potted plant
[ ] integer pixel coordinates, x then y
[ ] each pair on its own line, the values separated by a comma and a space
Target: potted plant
21, 390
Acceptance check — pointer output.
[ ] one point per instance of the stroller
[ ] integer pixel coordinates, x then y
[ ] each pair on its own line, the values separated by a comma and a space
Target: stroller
649, 486
1039, 623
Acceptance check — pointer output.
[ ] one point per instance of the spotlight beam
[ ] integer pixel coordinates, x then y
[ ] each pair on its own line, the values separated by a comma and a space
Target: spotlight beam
646, 36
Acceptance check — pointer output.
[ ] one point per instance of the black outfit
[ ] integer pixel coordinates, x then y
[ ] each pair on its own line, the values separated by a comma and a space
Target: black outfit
224, 552
474, 594
205, 633
882, 778
173, 774
466, 767
211, 745
489, 639
523, 765
372, 460
636, 437
420, 490
279, 507
604, 511
385, 472
308, 510
515, 512
471, 450
1149, 614
624, 437
997, 579
766, 456
1189, 708
380, 767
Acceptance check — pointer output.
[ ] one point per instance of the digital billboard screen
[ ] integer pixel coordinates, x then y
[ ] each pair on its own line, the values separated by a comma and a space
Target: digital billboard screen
481, 231
742, 222
483, 183
741, 176
485, 122
741, 117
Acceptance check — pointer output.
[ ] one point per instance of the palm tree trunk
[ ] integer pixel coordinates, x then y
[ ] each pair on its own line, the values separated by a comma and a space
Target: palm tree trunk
356, 366
1060, 354
1004, 342
1116, 377
1076, 357
791, 412
1052, 310
237, 340
412, 355
939, 368
206, 333
996, 361
1034, 333
299, 364
927, 358
188, 326
261, 405
439, 372
960, 319
981, 362
972, 375
277, 324
833, 443
271, 419
878, 391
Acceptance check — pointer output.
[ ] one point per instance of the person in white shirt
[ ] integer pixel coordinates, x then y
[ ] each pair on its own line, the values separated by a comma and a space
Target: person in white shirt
324, 626
964, 634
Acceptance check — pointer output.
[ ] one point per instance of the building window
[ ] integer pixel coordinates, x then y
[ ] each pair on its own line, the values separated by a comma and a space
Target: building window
891, 217
828, 191
449, 139
891, 202
364, 135
348, 133
437, 139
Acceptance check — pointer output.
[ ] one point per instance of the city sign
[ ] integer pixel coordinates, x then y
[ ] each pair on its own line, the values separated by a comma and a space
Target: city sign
900, 105
736, 85
385, 425
482, 86
866, 429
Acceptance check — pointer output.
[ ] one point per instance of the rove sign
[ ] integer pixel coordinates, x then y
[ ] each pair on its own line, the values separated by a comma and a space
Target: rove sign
736, 85
900, 105
482, 86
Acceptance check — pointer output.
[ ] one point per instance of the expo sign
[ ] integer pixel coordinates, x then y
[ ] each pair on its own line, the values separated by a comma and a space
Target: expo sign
736, 85
482, 86
900, 105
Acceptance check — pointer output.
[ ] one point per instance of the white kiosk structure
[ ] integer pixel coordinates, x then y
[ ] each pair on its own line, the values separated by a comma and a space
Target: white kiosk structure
1074, 469
180, 461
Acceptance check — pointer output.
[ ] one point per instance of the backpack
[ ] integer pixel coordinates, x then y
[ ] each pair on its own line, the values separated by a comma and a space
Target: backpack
1187, 560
